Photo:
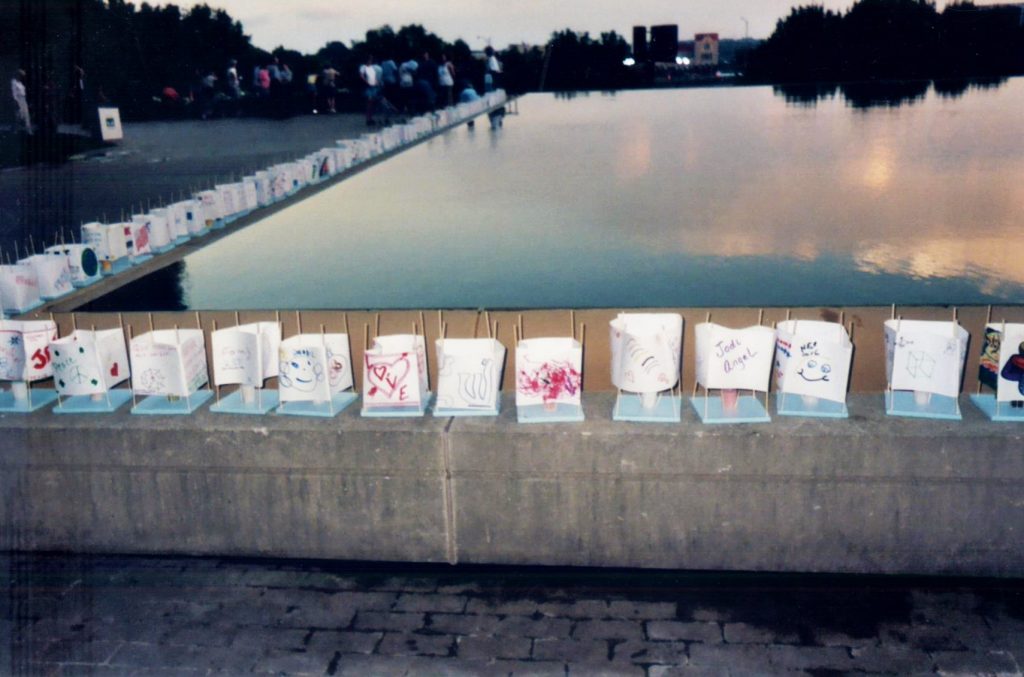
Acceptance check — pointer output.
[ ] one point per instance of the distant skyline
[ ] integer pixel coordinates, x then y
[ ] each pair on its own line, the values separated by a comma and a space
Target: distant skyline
307, 25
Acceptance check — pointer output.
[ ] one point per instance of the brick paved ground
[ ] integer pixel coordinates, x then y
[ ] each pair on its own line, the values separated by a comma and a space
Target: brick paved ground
119, 616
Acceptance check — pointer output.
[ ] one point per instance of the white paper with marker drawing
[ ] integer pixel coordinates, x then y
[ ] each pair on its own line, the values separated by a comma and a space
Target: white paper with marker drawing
25, 349
247, 354
108, 240
926, 356
395, 372
738, 359
646, 349
213, 207
813, 358
549, 370
169, 362
89, 362
469, 373
314, 367
19, 287
1010, 386
53, 274
139, 243
157, 235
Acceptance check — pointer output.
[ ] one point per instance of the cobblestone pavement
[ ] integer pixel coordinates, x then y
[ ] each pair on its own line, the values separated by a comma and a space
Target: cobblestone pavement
73, 615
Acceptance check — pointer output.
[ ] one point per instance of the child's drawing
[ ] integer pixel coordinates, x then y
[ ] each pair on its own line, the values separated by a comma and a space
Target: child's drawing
169, 362
247, 354
19, 287
469, 373
549, 371
646, 351
813, 358
302, 370
925, 356
395, 371
738, 359
1003, 355
89, 362
25, 350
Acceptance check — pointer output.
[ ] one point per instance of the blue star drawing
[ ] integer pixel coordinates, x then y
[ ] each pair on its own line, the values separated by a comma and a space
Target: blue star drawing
15, 341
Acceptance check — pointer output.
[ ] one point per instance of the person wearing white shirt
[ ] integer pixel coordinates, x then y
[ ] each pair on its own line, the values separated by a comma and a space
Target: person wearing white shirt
21, 101
368, 74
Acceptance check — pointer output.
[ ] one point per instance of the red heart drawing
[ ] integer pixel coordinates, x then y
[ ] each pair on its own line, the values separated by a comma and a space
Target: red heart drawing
114, 370
386, 377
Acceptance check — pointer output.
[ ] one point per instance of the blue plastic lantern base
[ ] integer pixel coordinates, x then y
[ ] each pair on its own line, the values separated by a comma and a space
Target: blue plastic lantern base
136, 260
748, 410
84, 404
538, 413
795, 405
218, 224
82, 284
398, 412
166, 248
1002, 412
37, 399
903, 403
181, 239
262, 403
118, 266
318, 409
448, 411
629, 407
161, 405
27, 309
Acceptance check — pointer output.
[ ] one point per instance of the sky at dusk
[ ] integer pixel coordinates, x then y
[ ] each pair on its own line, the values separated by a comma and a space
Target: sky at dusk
306, 25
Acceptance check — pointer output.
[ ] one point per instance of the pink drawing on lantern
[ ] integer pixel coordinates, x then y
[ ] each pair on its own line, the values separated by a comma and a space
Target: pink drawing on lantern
388, 378
552, 381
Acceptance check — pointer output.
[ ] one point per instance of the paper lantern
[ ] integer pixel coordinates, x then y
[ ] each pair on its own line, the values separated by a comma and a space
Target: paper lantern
469, 376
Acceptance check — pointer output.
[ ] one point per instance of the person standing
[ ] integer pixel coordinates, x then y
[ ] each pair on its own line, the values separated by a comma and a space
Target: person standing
492, 70
368, 74
406, 83
426, 82
446, 79
20, 95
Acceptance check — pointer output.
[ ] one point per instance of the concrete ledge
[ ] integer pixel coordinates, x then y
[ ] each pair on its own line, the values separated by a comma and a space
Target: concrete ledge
870, 494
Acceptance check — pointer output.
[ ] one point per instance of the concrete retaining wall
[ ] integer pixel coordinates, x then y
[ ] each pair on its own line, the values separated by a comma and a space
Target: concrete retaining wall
870, 494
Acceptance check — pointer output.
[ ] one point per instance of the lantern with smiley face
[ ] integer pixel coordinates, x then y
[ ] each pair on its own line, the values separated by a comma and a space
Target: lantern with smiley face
315, 375
812, 368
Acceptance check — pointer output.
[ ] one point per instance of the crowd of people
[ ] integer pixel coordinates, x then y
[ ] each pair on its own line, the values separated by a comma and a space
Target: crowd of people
388, 89
418, 86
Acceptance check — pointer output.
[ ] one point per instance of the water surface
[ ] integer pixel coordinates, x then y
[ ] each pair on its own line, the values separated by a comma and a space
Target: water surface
722, 196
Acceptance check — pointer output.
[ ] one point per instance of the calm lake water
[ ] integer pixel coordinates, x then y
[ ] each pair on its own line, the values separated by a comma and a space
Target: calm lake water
722, 196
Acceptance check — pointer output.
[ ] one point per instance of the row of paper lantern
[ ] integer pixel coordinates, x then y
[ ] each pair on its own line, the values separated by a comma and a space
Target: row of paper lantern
810, 360
109, 248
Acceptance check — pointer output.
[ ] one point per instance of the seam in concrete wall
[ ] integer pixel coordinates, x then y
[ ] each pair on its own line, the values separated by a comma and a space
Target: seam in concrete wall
451, 536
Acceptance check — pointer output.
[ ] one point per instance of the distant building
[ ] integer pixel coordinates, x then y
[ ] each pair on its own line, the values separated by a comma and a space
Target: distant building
705, 49
664, 43
640, 43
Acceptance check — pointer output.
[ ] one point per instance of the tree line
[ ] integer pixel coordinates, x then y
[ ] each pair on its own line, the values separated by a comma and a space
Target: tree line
891, 39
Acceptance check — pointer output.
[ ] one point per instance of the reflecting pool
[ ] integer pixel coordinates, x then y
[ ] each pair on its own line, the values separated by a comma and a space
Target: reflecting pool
689, 197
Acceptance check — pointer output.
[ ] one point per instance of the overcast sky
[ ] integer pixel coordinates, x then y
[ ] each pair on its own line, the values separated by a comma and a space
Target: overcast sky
306, 25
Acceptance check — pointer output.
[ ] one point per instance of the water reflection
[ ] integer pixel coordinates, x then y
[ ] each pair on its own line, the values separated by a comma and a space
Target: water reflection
881, 94
719, 196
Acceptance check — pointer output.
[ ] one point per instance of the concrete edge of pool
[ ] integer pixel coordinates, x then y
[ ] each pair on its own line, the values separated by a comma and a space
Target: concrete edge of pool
869, 494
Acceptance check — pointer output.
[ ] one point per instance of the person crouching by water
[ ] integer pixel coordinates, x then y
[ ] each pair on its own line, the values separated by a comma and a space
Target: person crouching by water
368, 74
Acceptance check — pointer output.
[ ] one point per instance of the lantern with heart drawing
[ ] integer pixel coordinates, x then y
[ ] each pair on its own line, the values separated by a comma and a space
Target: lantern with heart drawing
89, 362
395, 374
